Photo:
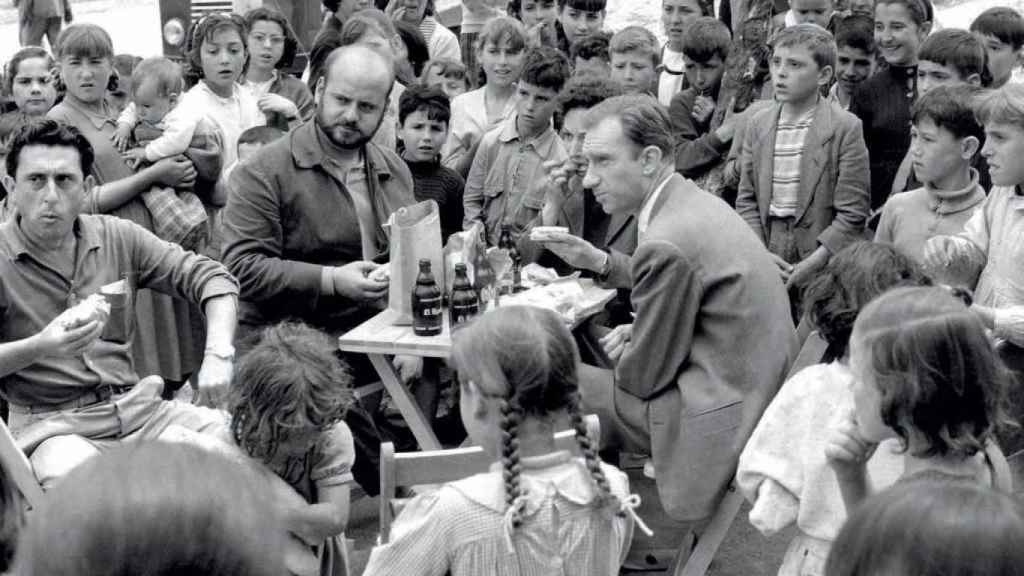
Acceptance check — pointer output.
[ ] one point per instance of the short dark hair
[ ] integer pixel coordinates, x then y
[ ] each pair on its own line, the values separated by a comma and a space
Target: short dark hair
645, 122
584, 5
545, 67
591, 46
959, 49
84, 40
429, 99
950, 108
48, 132
1004, 23
920, 11
934, 520
854, 276
291, 42
705, 38
584, 93
369, 20
856, 31
260, 135
415, 45
814, 38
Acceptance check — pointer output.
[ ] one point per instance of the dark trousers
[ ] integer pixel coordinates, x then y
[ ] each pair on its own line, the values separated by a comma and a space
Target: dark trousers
34, 29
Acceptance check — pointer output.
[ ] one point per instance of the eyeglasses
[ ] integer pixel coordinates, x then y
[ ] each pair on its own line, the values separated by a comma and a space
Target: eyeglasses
263, 39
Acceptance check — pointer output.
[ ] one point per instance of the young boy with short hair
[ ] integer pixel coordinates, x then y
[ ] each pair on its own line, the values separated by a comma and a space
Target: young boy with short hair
635, 58
448, 75
589, 56
423, 116
944, 141
856, 56
990, 244
506, 181
1001, 30
804, 177
676, 17
705, 47
947, 57
576, 19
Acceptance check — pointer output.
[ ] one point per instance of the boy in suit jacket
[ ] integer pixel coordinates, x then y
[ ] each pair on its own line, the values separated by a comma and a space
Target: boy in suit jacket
805, 176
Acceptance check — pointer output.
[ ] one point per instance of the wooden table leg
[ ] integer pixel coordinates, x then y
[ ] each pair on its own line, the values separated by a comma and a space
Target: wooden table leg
407, 405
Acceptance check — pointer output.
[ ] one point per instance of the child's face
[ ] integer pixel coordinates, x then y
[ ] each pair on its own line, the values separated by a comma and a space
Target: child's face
32, 87
862, 7
867, 398
634, 71
796, 77
452, 87
704, 76
931, 74
534, 107
579, 23
595, 67
853, 66
501, 63
1004, 148
266, 44
1002, 58
676, 15
151, 105
534, 12
248, 149
222, 57
86, 77
572, 133
897, 35
812, 11
422, 136
937, 153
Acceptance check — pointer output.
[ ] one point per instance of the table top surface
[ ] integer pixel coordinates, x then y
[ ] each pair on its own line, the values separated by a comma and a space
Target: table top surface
380, 335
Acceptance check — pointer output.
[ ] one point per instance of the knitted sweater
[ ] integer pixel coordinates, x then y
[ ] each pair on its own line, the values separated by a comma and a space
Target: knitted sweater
883, 103
432, 181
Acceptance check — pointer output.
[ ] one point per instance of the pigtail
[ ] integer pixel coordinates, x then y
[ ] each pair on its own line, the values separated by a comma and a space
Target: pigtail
593, 462
511, 415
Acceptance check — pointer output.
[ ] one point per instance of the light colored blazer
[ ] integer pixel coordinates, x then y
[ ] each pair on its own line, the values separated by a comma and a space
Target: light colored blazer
711, 344
835, 178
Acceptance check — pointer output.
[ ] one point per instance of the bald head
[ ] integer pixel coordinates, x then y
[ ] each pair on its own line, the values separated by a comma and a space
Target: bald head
361, 62
352, 96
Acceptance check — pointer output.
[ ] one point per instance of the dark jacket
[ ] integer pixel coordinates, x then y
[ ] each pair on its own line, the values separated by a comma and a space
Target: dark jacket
697, 149
293, 89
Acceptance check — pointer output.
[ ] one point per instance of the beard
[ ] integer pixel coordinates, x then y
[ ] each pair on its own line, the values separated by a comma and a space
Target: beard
346, 135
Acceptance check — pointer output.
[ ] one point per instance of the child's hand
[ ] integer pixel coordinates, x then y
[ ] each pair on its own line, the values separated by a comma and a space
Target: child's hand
279, 104
703, 108
614, 343
134, 157
939, 252
847, 451
122, 137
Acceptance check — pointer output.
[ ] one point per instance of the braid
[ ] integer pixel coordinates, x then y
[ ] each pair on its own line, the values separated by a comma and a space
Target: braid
605, 498
511, 414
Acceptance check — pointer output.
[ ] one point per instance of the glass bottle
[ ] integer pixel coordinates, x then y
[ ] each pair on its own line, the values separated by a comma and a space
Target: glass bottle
464, 303
426, 303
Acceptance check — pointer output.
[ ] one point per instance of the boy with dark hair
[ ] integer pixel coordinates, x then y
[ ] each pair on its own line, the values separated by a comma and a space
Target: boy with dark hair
944, 142
947, 57
856, 55
589, 56
423, 116
804, 178
1001, 30
506, 181
635, 58
705, 47
576, 19
676, 17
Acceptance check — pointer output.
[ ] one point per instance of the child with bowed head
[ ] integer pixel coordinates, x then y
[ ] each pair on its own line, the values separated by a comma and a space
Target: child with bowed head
537, 510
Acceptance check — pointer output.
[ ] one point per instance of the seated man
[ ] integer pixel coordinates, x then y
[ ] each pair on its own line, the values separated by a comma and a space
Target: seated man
712, 339
71, 384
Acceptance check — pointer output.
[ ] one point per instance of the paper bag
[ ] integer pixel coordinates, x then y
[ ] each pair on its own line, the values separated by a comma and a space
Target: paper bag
415, 234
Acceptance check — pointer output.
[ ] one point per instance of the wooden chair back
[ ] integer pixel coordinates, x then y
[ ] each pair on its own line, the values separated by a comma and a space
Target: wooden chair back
440, 466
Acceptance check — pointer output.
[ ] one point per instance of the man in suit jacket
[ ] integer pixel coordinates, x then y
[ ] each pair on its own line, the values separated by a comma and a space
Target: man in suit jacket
712, 338
833, 198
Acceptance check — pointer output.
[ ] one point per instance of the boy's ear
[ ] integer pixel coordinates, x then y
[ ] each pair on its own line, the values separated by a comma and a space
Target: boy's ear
825, 74
969, 146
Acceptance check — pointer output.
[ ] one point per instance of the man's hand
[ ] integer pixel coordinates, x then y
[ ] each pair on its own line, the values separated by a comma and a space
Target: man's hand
279, 104
56, 340
576, 251
122, 137
353, 282
614, 343
703, 108
175, 172
214, 381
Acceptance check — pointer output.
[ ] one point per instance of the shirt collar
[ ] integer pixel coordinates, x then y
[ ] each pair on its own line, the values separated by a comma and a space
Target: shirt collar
652, 199
542, 143
97, 120
308, 152
14, 237
953, 201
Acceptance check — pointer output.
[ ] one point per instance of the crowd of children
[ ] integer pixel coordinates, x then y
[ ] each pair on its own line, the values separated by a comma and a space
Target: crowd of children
881, 164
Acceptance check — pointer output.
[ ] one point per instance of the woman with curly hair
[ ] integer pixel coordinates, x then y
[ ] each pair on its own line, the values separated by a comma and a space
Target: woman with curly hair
287, 403
783, 470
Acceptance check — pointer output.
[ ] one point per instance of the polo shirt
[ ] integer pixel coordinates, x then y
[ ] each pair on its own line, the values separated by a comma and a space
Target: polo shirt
109, 249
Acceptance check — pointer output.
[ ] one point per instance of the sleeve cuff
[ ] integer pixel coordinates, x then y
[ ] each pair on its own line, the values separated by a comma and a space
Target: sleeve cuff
1009, 324
326, 282
218, 286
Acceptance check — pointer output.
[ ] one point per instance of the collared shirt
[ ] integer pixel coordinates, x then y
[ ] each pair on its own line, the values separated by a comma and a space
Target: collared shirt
32, 294
671, 79
644, 219
506, 182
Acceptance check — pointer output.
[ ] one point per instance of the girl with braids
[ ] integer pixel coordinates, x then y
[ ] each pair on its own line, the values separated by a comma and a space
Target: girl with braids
537, 510
289, 396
